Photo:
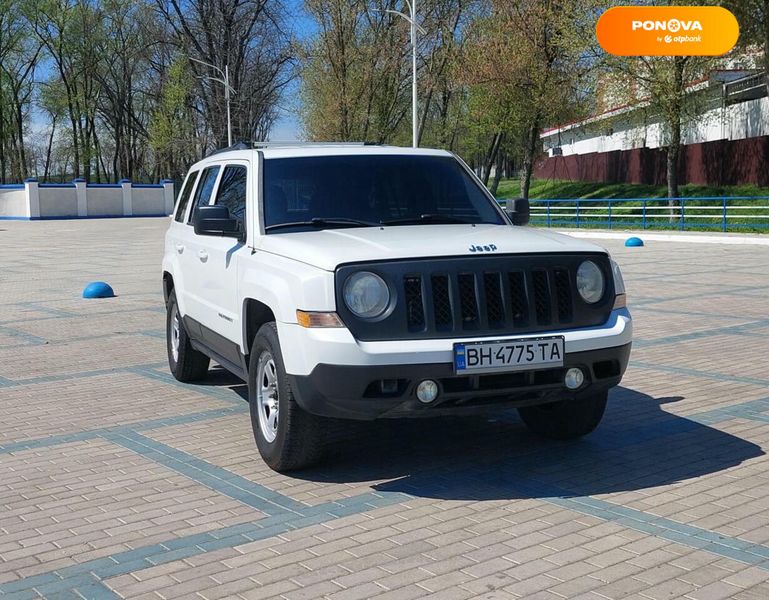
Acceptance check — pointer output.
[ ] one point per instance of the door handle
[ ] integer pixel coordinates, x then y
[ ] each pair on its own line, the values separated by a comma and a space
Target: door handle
180, 248
203, 255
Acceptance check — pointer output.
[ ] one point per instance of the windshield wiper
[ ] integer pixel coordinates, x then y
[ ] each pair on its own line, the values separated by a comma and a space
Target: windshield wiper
427, 218
322, 222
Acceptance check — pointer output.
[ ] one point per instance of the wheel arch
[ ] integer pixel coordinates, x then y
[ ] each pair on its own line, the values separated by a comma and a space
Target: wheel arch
168, 286
255, 314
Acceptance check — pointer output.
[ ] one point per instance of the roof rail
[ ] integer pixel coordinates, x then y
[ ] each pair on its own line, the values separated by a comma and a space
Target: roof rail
254, 145
235, 146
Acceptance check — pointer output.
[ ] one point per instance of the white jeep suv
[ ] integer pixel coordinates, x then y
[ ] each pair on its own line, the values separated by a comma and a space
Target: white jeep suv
366, 282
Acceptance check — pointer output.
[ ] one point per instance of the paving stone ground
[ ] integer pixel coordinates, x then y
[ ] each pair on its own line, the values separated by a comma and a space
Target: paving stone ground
118, 482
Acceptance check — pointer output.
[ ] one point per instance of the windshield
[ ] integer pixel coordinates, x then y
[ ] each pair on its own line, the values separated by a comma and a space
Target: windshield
308, 193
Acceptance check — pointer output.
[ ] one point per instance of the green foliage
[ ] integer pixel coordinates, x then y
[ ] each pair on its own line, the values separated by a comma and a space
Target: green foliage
171, 124
561, 189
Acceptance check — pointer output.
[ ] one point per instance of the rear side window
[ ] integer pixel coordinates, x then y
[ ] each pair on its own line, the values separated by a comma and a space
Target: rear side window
232, 191
203, 193
184, 197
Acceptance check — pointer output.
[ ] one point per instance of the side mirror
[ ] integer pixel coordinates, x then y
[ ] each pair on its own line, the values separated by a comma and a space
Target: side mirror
518, 211
216, 220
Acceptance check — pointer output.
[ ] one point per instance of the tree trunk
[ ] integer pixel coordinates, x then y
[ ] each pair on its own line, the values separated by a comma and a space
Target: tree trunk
498, 172
766, 43
21, 154
490, 158
49, 148
674, 147
529, 152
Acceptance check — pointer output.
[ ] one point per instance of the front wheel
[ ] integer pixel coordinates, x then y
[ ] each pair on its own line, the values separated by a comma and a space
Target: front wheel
287, 437
566, 419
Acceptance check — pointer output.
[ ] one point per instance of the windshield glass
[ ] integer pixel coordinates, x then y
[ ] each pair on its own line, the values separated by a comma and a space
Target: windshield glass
364, 191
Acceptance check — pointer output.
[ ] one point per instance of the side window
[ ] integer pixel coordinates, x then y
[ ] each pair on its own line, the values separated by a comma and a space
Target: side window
232, 191
203, 193
184, 197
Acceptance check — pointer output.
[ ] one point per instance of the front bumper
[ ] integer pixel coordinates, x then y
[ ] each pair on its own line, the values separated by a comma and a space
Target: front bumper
304, 349
356, 392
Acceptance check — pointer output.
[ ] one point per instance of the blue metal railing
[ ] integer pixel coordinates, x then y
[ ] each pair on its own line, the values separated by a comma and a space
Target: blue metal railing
723, 213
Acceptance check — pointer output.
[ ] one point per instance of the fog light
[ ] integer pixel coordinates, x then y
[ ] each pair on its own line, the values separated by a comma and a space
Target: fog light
427, 391
574, 378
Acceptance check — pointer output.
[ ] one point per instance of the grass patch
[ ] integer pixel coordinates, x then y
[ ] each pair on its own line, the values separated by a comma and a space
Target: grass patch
549, 188
633, 215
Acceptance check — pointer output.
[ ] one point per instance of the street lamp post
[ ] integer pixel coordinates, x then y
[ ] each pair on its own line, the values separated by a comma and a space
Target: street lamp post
412, 20
228, 91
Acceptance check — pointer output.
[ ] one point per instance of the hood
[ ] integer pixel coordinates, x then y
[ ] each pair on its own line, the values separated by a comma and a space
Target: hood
329, 248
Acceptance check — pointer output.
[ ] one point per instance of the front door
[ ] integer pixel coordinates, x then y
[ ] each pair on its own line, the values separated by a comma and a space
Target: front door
218, 283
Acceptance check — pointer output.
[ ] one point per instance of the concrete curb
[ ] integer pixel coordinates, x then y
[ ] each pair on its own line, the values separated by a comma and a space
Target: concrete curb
687, 238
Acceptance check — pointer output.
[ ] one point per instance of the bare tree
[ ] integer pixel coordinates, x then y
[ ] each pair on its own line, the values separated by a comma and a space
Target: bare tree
18, 59
248, 37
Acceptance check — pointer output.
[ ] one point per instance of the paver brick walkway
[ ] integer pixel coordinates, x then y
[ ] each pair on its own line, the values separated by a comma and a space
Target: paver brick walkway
117, 481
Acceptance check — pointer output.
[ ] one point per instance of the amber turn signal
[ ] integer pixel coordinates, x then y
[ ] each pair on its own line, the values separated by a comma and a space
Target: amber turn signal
318, 319
620, 301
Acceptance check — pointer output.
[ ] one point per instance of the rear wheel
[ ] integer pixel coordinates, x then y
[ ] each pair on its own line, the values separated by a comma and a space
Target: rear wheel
567, 419
287, 437
186, 363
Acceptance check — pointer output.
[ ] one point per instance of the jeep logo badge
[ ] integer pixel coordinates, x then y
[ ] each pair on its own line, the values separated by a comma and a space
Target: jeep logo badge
486, 248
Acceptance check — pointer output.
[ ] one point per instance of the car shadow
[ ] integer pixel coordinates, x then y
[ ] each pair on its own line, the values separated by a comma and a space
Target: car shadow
637, 446
219, 377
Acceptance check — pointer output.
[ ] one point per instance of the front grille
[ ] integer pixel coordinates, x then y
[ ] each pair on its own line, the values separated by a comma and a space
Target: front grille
496, 307
482, 296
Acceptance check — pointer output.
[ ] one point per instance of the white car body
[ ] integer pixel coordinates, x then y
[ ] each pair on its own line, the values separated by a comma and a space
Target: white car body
215, 278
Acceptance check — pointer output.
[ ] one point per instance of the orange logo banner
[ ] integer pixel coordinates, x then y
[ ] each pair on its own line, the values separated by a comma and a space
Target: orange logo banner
667, 31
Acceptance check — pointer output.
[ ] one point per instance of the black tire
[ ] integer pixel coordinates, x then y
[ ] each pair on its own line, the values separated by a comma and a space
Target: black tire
189, 365
567, 419
299, 436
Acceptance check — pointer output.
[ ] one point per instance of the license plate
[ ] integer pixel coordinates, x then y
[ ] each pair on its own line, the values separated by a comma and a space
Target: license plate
508, 355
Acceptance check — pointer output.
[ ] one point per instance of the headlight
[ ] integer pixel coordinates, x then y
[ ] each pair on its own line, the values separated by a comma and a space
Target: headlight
590, 283
366, 294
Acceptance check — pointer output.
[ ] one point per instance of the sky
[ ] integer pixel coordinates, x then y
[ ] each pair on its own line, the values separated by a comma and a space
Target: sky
288, 128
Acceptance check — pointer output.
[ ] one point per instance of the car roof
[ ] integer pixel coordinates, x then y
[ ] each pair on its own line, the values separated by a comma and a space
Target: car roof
299, 150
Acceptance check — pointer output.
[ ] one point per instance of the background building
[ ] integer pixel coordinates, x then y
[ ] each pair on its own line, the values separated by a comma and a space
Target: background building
725, 137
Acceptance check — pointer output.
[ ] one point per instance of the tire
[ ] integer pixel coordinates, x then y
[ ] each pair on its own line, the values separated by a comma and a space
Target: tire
292, 438
186, 363
567, 419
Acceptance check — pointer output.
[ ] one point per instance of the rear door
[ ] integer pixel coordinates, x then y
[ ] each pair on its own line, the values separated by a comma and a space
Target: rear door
194, 252
176, 236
